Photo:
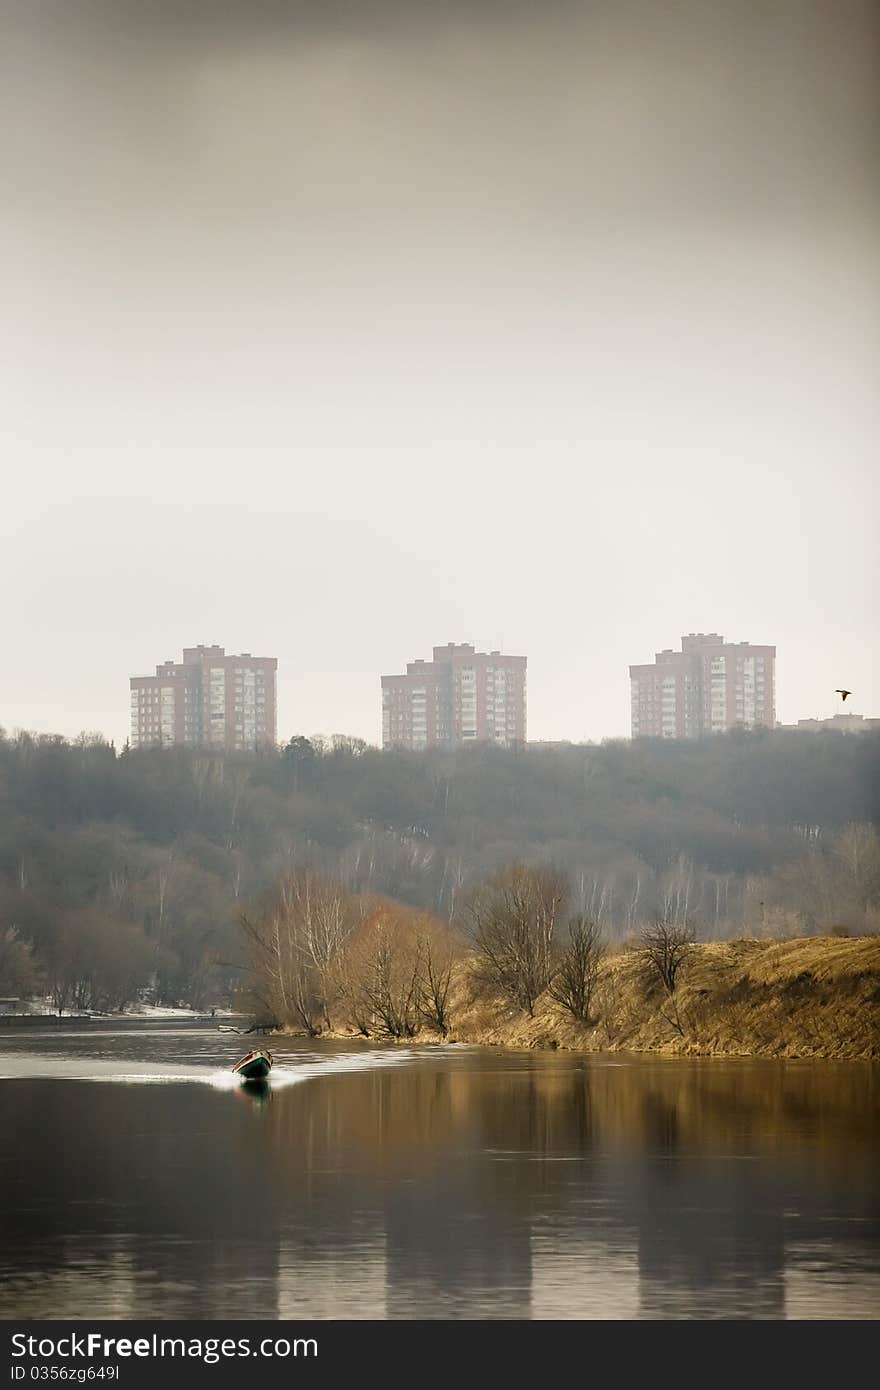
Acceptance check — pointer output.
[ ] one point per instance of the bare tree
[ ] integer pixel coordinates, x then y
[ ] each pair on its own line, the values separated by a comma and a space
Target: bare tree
384, 980
665, 948
721, 885
325, 918
676, 890
201, 772
295, 947
237, 778
276, 979
857, 850
632, 908
510, 921
574, 978
436, 960
117, 886
164, 874
235, 869
454, 869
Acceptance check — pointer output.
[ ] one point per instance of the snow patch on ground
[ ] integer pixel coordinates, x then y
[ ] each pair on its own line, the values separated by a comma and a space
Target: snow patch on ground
161, 1011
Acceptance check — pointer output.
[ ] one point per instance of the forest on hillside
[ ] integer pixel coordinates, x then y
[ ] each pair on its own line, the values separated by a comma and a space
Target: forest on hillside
128, 872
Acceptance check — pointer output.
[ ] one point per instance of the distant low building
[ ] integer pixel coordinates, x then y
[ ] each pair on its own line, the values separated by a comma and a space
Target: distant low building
708, 687
843, 723
461, 696
208, 700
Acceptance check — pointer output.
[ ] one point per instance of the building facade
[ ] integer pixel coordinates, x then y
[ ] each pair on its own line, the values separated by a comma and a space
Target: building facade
208, 700
708, 687
460, 696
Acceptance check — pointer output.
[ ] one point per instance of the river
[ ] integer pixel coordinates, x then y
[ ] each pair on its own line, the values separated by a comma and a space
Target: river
136, 1180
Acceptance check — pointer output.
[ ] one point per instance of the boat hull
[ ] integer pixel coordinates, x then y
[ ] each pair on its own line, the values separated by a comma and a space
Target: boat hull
255, 1066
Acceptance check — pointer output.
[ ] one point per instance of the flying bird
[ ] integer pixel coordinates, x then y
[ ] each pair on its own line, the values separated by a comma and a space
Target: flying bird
843, 693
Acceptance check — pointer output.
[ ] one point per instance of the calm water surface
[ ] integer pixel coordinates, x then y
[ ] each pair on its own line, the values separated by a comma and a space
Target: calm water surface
137, 1181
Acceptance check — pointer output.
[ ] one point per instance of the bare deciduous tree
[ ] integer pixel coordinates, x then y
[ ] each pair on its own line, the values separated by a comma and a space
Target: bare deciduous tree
164, 874
384, 979
573, 982
665, 948
676, 890
436, 957
296, 946
277, 980
510, 921
857, 850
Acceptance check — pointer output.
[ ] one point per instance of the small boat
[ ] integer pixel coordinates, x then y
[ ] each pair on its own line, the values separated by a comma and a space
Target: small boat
254, 1066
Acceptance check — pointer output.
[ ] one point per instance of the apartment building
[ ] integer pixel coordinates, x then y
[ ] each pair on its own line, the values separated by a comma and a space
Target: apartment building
208, 700
460, 696
708, 687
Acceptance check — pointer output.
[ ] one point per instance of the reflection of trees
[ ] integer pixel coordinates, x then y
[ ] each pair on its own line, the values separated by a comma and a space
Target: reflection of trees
549, 1103
687, 1162
452, 1185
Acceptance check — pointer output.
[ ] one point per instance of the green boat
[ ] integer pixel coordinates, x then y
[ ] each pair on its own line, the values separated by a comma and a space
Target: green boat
254, 1066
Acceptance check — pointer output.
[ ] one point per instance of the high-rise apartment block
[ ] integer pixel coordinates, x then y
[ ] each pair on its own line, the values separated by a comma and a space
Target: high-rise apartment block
461, 696
708, 687
208, 700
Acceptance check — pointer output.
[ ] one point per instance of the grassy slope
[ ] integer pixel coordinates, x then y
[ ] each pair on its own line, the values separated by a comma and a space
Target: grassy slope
806, 997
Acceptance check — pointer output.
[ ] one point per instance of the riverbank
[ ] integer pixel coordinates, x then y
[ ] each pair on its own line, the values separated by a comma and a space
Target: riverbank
802, 997
806, 997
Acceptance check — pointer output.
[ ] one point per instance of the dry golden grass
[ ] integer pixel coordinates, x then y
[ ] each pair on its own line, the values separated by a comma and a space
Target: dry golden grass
801, 997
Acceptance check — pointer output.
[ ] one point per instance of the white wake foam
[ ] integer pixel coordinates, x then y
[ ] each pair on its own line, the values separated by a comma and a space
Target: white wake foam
289, 1072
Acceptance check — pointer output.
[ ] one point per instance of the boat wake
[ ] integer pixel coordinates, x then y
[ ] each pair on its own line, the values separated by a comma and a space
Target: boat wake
285, 1073
289, 1073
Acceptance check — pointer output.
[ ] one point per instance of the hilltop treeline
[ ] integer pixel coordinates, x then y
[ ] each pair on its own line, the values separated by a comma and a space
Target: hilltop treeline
120, 871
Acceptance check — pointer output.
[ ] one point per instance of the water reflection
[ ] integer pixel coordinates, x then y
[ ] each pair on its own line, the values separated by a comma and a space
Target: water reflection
255, 1093
447, 1183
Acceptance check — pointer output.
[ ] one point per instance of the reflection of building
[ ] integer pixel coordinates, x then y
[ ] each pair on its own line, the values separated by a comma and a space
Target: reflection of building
843, 723
710, 1234
438, 1255
207, 700
316, 1279
457, 1187
708, 687
579, 1272
461, 696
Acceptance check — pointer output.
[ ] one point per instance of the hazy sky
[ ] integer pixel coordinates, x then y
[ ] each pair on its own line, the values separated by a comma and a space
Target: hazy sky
335, 330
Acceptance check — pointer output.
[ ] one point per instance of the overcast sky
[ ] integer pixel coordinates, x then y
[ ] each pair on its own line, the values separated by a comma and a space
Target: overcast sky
332, 331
